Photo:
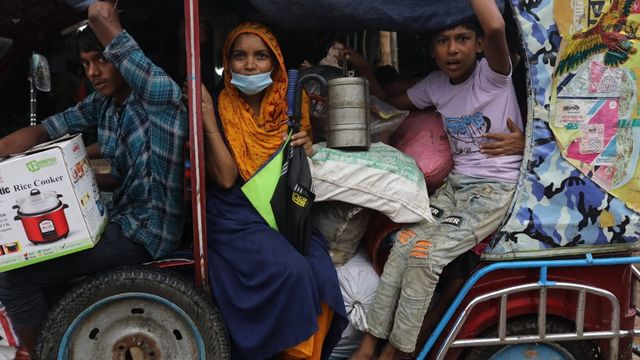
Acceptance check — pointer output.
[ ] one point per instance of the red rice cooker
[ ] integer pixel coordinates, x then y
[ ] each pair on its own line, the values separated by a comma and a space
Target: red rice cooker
42, 216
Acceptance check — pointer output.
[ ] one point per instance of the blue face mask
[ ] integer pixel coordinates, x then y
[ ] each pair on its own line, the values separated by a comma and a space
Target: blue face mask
251, 84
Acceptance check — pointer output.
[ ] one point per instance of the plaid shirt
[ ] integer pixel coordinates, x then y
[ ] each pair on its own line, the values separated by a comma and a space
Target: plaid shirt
143, 140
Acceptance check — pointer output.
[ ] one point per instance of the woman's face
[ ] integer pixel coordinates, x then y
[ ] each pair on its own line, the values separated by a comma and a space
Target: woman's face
250, 56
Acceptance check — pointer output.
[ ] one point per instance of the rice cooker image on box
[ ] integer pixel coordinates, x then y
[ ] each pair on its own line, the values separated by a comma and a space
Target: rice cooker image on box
42, 216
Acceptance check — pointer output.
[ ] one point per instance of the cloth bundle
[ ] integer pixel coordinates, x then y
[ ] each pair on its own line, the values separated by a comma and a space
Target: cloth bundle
343, 225
422, 137
358, 282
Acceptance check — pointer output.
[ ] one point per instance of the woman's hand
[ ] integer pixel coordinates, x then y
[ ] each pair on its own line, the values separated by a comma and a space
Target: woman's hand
210, 125
302, 139
208, 113
207, 100
504, 144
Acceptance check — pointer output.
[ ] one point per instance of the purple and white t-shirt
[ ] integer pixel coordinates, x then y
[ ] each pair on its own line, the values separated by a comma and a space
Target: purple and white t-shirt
479, 105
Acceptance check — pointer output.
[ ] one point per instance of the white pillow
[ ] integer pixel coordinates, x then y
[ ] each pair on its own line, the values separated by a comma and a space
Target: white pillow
382, 179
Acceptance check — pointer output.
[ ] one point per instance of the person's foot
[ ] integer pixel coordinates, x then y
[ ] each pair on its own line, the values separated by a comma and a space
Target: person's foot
367, 348
390, 352
362, 356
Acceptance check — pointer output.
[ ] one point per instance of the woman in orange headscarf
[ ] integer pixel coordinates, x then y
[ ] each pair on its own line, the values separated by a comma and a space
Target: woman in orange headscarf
274, 300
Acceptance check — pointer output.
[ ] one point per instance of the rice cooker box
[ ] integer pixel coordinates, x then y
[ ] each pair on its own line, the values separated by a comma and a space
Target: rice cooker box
49, 203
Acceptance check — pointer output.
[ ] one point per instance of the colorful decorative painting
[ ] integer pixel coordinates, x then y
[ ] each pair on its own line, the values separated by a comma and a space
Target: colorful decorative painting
594, 110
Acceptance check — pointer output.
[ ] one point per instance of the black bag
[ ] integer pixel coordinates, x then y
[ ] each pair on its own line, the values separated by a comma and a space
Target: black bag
293, 197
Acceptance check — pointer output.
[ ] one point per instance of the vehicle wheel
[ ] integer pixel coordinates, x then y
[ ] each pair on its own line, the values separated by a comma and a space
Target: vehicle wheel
568, 350
134, 313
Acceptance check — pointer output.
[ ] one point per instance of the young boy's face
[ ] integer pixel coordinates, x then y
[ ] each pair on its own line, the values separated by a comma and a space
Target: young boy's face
455, 52
104, 76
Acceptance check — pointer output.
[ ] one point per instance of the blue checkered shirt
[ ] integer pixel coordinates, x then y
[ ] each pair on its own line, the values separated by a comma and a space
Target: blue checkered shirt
143, 140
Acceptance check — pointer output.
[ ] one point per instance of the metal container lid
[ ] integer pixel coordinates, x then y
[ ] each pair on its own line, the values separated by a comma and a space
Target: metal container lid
347, 81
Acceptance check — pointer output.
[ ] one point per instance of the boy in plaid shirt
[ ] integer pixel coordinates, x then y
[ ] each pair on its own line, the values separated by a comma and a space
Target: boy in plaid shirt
141, 125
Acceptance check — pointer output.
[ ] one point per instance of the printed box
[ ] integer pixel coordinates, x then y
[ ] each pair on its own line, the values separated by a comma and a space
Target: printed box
49, 204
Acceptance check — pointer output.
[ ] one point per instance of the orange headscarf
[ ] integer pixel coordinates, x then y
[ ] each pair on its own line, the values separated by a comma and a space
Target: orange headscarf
254, 138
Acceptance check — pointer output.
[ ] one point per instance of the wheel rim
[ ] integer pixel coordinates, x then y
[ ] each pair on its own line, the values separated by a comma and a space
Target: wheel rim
132, 326
541, 351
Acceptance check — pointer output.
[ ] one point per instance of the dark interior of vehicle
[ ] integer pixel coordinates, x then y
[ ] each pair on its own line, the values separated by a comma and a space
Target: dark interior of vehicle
36, 26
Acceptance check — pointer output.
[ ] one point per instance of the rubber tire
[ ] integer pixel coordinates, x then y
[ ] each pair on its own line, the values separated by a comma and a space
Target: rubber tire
160, 282
580, 350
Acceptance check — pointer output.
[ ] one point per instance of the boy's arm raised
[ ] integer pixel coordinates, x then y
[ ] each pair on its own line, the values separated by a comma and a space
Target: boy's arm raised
495, 47
104, 21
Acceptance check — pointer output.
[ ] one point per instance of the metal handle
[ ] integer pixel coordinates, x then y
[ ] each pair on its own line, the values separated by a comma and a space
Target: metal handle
291, 91
298, 103
345, 64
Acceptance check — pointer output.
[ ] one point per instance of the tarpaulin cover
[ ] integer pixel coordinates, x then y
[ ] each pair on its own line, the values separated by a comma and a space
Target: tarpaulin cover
398, 15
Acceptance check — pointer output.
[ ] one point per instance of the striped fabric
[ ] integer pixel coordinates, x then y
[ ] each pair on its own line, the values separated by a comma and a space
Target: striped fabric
143, 140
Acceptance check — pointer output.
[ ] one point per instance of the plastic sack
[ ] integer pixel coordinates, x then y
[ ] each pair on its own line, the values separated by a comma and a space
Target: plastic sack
383, 179
385, 119
358, 283
7, 353
8, 338
421, 136
343, 225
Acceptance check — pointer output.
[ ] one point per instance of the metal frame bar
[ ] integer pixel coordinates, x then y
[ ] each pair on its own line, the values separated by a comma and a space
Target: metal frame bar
192, 41
543, 265
542, 335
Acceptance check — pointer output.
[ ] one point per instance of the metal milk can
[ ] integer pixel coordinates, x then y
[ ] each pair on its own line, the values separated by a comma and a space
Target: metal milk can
348, 114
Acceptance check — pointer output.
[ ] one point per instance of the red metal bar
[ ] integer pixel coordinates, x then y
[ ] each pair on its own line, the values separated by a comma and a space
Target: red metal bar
192, 43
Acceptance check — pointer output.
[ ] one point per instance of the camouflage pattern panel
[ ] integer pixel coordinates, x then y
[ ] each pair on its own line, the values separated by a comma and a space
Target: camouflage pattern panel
541, 42
556, 209
559, 211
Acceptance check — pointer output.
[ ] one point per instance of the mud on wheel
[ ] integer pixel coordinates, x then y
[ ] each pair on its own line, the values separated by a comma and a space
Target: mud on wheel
134, 313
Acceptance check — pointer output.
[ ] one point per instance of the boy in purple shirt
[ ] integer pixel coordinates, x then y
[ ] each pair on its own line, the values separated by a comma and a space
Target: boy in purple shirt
474, 98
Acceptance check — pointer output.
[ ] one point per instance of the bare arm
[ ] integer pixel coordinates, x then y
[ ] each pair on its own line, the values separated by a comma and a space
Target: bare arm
104, 21
358, 62
495, 42
220, 164
23, 139
93, 151
401, 101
